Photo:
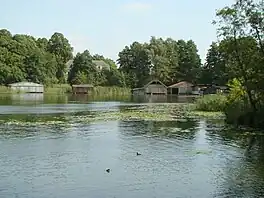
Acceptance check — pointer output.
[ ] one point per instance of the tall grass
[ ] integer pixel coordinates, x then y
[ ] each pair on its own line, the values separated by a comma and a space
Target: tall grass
66, 88
113, 91
58, 89
7, 90
4, 89
212, 103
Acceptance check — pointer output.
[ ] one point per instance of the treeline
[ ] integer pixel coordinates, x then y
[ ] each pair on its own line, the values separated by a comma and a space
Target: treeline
167, 60
51, 61
41, 60
24, 57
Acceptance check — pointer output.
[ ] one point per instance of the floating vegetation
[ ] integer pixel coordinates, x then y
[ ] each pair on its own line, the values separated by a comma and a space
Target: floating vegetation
147, 112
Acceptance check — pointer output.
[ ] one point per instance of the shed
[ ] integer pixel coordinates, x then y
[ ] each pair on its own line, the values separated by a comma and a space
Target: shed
82, 89
154, 87
182, 87
27, 87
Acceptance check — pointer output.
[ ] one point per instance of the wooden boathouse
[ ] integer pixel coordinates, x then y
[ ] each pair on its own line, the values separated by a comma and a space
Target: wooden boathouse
154, 87
82, 89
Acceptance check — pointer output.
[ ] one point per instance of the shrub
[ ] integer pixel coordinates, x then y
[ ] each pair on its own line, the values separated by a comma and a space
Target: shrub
238, 109
213, 102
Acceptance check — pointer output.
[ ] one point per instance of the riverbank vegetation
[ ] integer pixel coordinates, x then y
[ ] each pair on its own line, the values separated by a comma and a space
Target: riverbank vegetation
236, 59
129, 112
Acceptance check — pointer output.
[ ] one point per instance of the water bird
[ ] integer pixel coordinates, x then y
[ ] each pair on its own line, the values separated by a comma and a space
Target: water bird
107, 170
138, 153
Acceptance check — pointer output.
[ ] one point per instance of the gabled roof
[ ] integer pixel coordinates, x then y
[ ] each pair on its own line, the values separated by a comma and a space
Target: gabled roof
180, 83
101, 63
25, 84
157, 81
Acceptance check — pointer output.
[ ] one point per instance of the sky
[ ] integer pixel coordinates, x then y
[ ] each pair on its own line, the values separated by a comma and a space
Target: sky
106, 27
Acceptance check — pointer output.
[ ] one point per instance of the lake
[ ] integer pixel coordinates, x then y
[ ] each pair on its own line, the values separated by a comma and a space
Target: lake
47, 151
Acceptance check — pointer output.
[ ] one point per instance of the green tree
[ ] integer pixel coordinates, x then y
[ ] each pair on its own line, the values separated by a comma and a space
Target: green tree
214, 70
241, 28
61, 48
189, 61
135, 63
82, 70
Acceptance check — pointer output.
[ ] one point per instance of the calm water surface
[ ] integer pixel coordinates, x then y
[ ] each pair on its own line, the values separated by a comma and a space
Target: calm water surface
68, 158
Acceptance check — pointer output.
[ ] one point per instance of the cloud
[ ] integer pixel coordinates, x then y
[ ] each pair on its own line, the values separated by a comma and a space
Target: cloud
137, 7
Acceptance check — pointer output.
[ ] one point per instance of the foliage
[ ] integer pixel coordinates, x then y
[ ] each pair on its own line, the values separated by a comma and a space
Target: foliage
41, 60
240, 28
82, 70
58, 89
214, 69
167, 60
211, 103
112, 91
23, 57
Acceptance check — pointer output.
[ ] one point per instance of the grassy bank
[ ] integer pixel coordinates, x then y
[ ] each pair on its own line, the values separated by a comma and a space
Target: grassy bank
4, 89
66, 88
236, 110
58, 89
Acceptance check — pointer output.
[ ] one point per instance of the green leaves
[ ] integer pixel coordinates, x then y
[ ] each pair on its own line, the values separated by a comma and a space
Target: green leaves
240, 27
167, 60
23, 57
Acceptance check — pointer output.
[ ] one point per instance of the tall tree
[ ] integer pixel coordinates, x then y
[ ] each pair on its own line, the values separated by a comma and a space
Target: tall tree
61, 48
135, 62
189, 61
214, 71
82, 70
241, 25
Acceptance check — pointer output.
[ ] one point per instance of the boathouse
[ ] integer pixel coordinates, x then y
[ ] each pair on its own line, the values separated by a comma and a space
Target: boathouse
182, 88
82, 89
27, 87
154, 87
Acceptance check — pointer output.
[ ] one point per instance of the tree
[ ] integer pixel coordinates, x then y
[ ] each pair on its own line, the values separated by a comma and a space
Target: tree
61, 48
241, 25
214, 70
189, 61
82, 70
167, 60
135, 63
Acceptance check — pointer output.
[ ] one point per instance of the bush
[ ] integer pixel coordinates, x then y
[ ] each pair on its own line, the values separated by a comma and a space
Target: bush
238, 110
213, 102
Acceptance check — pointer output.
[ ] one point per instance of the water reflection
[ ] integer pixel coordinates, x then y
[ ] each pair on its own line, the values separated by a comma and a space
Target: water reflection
55, 155
27, 98
167, 129
33, 99
162, 99
84, 98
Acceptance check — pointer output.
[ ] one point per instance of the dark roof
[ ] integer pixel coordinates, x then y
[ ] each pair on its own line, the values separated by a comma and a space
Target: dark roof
83, 85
